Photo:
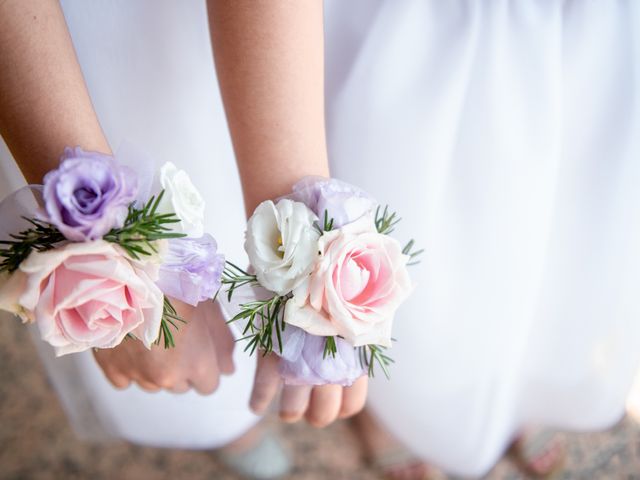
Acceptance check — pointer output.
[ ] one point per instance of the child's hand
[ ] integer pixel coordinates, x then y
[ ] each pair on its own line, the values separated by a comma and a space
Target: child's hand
203, 352
319, 405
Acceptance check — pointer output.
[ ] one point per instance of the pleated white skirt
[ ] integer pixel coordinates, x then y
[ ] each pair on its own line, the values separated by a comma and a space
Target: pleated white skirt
505, 134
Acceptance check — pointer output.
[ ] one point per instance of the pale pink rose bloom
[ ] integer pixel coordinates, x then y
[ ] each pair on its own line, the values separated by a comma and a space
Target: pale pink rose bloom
86, 295
355, 288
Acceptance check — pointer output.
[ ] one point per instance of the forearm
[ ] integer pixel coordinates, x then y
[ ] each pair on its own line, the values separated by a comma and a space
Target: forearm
44, 103
269, 57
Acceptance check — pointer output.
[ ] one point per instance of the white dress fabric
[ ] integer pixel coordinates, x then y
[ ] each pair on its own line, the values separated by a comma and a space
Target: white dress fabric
507, 136
149, 69
504, 132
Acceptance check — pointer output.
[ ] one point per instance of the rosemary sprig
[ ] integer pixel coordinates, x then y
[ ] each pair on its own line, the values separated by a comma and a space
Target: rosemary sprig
413, 254
169, 317
40, 237
330, 348
264, 318
386, 220
236, 277
370, 355
327, 224
142, 227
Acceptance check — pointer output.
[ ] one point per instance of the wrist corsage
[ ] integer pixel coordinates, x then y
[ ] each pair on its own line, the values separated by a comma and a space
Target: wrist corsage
328, 280
100, 252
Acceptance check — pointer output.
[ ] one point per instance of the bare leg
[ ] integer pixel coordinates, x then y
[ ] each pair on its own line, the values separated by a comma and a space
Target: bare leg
539, 452
386, 453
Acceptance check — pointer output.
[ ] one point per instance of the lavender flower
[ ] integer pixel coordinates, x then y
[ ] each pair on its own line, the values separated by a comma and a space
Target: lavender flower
302, 361
191, 269
88, 194
343, 202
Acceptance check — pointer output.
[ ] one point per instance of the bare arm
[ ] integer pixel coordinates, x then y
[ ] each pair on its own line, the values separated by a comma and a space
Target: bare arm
270, 60
45, 106
44, 103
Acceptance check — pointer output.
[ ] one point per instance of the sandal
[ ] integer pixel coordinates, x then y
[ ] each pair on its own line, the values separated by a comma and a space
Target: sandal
399, 459
386, 455
267, 459
539, 453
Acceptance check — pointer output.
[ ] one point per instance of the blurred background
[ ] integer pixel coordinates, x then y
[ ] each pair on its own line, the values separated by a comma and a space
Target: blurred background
37, 443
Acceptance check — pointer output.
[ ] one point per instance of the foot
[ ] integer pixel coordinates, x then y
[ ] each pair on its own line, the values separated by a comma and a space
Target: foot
257, 455
540, 453
385, 453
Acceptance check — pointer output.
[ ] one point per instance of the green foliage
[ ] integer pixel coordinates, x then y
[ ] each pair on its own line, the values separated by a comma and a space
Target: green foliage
413, 254
372, 355
264, 317
386, 220
169, 317
330, 347
142, 227
235, 277
327, 224
40, 237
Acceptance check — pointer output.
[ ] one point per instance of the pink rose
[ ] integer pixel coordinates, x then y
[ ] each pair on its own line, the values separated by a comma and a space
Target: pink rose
358, 282
85, 295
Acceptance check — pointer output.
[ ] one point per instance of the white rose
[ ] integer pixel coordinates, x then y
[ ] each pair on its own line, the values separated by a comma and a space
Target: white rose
182, 198
282, 244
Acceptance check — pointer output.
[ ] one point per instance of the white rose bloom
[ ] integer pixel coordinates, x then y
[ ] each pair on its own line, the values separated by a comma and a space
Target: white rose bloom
282, 244
182, 198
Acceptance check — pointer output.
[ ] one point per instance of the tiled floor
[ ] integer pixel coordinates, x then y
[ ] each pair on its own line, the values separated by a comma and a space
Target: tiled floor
36, 443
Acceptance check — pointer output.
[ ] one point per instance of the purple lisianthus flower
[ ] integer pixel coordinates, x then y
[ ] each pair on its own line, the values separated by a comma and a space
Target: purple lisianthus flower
302, 362
191, 269
343, 202
88, 194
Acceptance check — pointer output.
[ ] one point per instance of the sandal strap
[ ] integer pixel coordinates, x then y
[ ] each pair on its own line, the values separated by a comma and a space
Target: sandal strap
534, 444
266, 460
395, 457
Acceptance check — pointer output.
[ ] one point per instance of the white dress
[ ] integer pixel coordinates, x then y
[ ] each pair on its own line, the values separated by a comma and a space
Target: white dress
149, 69
507, 135
504, 132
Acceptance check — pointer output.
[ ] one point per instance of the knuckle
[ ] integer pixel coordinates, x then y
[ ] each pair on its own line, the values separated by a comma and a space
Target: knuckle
149, 387
320, 419
120, 383
116, 379
202, 370
227, 368
259, 402
206, 390
164, 380
350, 410
179, 388
291, 416
210, 386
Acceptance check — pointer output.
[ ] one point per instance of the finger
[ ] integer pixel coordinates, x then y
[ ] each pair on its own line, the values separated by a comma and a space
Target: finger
169, 379
110, 369
294, 402
354, 397
148, 386
117, 379
202, 372
266, 383
181, 387
222, 338
205, 379
324, 405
